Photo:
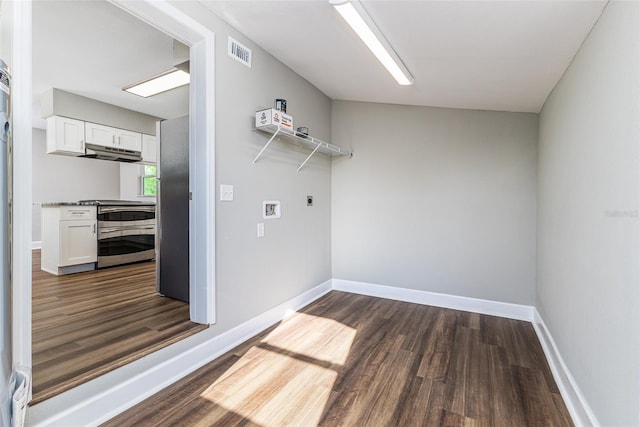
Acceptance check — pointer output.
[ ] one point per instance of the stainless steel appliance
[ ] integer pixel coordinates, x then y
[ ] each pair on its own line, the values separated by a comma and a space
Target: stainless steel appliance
95, 151
126, 232
173, 208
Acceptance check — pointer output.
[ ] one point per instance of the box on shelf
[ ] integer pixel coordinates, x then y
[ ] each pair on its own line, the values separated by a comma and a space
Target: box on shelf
271, 116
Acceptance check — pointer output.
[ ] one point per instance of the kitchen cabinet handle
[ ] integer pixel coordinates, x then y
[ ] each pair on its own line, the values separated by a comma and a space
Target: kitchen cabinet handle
94, 229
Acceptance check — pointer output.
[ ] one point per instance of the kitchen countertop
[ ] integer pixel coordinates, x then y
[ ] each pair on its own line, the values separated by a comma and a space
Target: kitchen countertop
56, 204
98, 203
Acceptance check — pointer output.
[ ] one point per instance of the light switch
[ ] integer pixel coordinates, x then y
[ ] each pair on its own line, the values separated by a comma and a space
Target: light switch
261, 229
226, 193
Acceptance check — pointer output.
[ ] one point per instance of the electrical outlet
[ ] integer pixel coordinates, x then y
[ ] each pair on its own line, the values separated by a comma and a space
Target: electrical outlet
226, 193
309, 200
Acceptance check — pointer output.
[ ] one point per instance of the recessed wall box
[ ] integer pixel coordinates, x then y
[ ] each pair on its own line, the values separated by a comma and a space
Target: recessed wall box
271, 116
271, 209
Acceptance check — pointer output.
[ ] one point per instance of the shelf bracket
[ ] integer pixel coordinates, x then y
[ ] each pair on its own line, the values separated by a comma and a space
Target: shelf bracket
266, 145
310, 155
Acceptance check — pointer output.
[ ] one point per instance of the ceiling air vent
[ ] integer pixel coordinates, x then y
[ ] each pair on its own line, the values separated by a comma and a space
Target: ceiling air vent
239, 52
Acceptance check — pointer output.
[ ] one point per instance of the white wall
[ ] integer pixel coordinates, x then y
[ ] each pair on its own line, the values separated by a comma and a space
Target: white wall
254, 275
56, 102
436, 199
62, 178
130, 185
588, 232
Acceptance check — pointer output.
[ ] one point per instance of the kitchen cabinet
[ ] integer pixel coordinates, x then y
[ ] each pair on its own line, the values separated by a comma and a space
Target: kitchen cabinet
108, 136
69, 239
149, 149
65, 136
78, 243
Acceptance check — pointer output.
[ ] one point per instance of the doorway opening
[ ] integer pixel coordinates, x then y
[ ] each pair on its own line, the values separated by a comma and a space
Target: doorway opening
200, 282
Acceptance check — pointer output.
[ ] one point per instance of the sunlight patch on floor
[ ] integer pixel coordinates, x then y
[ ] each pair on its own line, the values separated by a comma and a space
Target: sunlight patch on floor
318, 337
290, 373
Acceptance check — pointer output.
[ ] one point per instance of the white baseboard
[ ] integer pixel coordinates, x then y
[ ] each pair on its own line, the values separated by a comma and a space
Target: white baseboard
580, 411
101, 399
36, 245
474, 305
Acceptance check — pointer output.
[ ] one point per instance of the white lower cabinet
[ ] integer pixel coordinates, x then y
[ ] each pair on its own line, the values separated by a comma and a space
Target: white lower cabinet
69, 239
78, 242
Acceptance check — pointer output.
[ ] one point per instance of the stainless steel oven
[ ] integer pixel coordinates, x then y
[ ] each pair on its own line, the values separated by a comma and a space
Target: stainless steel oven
126, 234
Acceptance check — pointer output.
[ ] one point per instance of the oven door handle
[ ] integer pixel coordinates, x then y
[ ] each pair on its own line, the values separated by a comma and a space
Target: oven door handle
137, 227
106, 209
105, 230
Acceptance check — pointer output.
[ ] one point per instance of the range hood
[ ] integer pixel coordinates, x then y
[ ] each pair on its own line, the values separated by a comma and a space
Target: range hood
101, 152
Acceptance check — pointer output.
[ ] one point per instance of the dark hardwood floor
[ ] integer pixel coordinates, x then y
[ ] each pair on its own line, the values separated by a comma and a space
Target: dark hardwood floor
87, 324
352, 360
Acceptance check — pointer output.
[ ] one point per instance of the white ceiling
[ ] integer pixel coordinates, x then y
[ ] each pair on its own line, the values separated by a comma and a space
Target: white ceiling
93, 49
490, 55
497, 55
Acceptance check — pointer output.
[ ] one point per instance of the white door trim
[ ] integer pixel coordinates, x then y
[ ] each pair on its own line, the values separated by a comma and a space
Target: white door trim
21, 87
201, 41
167, 18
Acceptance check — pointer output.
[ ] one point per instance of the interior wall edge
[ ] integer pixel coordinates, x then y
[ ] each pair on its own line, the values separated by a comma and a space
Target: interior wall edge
576, 403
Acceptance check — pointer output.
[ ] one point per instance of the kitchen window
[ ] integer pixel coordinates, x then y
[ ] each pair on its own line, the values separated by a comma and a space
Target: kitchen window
148, 180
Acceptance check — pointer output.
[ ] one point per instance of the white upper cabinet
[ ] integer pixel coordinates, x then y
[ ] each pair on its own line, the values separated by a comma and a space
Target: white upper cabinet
129, 140
107, 136
65, 136
100, 135
149, 149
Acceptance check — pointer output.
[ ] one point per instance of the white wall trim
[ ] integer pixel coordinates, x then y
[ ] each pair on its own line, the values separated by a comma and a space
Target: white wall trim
103, 398
36, 245
577, 404
201, 41
474, 305
86, 406
579, 409
22, 210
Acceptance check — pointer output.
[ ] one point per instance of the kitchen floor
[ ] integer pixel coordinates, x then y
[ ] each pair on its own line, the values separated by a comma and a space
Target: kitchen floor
87, 324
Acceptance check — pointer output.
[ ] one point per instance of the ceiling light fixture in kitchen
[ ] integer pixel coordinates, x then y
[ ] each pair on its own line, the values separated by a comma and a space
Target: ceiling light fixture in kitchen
360, 21
163, 82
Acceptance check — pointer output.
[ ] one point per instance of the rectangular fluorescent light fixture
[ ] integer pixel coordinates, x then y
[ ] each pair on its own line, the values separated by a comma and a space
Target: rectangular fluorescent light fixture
357, 17
163, 82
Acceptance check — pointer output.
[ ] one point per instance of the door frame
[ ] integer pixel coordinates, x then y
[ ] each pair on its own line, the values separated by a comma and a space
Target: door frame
201, 40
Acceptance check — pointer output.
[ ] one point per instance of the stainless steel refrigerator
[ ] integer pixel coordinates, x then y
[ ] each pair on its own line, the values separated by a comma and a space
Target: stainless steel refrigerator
172, 210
